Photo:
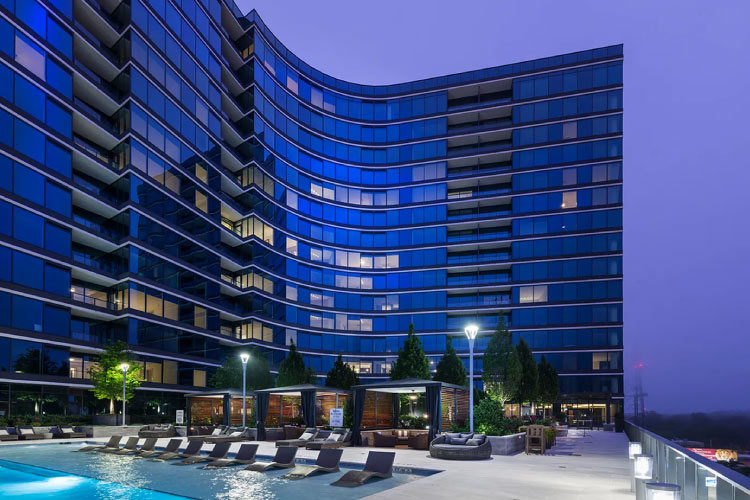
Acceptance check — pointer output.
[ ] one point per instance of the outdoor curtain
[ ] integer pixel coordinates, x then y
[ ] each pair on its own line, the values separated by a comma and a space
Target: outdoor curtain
433, 410
308, 407
396, 410
359, 410
261, 411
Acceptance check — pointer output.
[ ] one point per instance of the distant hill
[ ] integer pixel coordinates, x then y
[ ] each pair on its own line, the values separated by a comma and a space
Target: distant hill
721, 429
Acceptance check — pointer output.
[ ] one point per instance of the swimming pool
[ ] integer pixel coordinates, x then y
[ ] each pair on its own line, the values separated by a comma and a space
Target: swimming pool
53, 471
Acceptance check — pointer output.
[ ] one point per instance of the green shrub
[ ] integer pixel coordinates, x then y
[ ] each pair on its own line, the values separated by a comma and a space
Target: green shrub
409, 422
549, 437
490, 419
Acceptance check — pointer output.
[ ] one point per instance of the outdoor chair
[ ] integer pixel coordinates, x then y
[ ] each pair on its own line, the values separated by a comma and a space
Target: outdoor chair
220, 451
535, 439
130, 444
66, 432
172, 446
7, 436
193, 448
148, 445
113, 444
335, 439
461, 446
26, 432
382, 440
327, 461
245, 456
284, 459
379, 464
307, 436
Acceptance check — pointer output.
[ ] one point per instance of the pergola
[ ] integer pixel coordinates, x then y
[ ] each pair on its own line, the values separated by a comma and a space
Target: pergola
377, 405
282, 405
220, 407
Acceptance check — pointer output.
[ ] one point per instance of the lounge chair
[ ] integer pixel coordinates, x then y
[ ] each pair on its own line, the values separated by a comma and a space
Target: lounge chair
379, 464
220, 451
336, 439
193, 448
26, 432
327, 461
245, 456
307, 436
148, 445
130, 444
461, 446
172, 446
231, 435
66, 432
284, 459
113, 444
218, 431
7, 436
383, 440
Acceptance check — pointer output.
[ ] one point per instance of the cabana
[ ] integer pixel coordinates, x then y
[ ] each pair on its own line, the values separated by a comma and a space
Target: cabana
285, 405
220, 407
377, 405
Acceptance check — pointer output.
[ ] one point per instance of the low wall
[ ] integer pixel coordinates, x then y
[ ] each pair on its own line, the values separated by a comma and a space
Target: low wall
508, 445
99, 431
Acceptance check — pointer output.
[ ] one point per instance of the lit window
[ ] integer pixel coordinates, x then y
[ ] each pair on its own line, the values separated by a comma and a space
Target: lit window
570, 199
201, 201
540, 293
526, 294
201, 173
30, 56
199, 317
316, 189
291, 247
199, 378
570, 176
291, 84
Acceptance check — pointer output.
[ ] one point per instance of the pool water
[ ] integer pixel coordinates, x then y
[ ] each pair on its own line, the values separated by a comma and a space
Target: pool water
54, 471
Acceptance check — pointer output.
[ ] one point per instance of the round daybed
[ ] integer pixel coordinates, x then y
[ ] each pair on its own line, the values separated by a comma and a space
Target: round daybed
461, 446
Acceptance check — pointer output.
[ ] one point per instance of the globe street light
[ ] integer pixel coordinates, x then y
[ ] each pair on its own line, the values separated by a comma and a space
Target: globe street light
471, 333
244, 357
124, 367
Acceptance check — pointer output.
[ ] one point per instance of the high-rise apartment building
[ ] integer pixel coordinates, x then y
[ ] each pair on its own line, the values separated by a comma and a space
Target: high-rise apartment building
172, 176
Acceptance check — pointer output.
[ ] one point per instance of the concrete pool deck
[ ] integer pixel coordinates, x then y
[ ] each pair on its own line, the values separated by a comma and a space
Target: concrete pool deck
590, 465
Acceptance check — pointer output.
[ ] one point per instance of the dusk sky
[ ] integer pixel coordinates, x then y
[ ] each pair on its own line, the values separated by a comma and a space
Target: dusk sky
687, 172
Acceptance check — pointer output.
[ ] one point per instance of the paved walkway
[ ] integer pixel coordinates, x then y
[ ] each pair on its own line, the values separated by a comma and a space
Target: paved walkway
591, 466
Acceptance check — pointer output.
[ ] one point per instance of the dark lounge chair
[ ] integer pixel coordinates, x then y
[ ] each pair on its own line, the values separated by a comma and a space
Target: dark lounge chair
218, 431
336, 439
327, 461
148, 445
220, 451
284, 459
172, 446
231, 435
7, 436
66, 432
383, 440
307, 436
112, 444
193, 448
245, 456
130, 444
379, 464
26, 432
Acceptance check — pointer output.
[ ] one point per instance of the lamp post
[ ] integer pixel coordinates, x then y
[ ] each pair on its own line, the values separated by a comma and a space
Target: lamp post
124, 367
244, 357
471, 333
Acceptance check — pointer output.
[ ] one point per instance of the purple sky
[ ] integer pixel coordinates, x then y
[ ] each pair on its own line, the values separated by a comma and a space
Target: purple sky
687, 107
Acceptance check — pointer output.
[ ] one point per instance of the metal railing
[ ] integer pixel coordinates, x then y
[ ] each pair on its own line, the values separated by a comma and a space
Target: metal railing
699, 478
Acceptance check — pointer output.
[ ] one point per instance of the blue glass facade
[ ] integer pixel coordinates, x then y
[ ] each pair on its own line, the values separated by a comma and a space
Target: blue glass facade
174, 177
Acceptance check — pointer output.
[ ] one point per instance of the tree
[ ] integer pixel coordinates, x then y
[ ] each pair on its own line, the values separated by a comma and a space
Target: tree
528, 387
450, 369
549, 386
411, 361
341, 376
229, 374
292, 370
501, 367
106, 374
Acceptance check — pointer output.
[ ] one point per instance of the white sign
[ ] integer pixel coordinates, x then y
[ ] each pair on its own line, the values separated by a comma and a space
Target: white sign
711, 482
336, 418
180, 417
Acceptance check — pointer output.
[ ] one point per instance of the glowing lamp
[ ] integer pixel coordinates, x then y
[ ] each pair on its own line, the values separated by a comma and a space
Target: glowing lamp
644, 466
634, 448
244, 357
663, 491
124, 367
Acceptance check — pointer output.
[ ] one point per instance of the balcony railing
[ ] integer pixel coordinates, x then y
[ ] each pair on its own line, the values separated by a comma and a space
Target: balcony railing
699, 478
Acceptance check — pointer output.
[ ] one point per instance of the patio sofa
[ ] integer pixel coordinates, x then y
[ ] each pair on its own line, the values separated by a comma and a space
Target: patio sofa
337, 438
461, 446
384, 439
157, 431
5, 435
67, 432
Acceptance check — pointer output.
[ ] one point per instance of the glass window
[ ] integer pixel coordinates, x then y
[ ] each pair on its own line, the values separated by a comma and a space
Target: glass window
28, 227
56, 321
570, 199
29, 55
27, 314
25, 356
28, 270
